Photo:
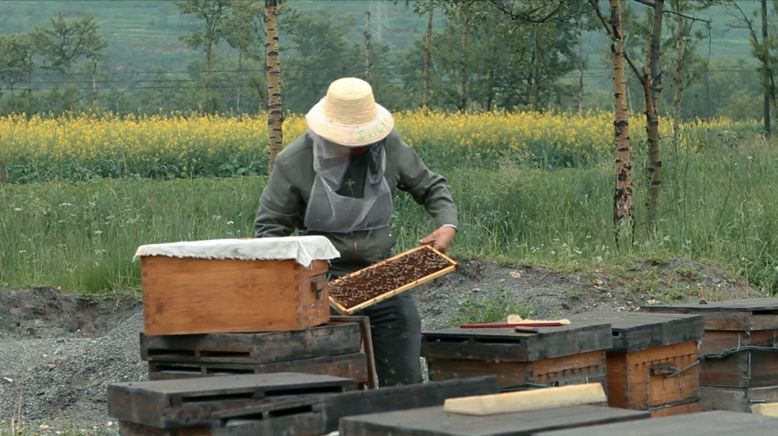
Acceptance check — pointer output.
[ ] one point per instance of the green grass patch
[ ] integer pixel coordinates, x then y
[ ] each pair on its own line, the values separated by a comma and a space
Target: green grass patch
717, 206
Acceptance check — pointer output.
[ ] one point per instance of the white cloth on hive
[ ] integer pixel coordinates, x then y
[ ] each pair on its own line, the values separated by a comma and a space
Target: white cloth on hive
303, 249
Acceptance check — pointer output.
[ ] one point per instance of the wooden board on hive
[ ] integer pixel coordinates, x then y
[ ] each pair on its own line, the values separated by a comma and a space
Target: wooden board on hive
353, 366
330, 339
740, 315
188, 295
716, 423
634, 331
169, 404
329, 409
431, 421
393, 276
505, 344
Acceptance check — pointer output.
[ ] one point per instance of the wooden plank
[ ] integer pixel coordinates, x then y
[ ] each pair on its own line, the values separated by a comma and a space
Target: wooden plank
716, 341
634, 331
188, 296
691, 405
188, 403
576, 369
741, 369
649, 378
745, 315
133, 429
736, 399
434, 421
716, 423
250, 420
535, 399
506, 344
353, 366
367, 345
325, 340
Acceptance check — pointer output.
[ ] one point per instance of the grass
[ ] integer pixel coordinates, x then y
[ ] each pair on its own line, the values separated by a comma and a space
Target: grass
717, 206
492, 309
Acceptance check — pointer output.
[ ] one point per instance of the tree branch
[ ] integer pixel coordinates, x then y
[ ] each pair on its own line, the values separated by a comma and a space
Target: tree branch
526, 16
597, 10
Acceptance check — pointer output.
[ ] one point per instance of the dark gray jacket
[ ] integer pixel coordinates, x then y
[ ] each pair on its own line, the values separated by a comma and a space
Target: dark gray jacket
284, 199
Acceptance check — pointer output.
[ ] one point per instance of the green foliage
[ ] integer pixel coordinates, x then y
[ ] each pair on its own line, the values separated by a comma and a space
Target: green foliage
492, 309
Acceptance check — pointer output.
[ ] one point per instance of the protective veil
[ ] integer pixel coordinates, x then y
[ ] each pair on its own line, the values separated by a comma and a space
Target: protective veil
329, 211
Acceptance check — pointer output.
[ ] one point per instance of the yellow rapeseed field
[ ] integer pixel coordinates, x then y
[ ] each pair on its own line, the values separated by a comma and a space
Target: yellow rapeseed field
87, 146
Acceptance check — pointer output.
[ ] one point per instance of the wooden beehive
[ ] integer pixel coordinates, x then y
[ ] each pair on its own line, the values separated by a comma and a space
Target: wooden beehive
433, 421
187, 406
554, 356
739, 362
717, 423
652, 364
390, 277
337, 349
184, 293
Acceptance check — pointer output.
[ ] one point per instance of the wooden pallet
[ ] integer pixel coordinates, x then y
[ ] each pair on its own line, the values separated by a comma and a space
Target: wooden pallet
717, 423
170, 404
353, 366
343, 309
652, 364
553, 356
254, 348
322, 415
736, 399
431, 421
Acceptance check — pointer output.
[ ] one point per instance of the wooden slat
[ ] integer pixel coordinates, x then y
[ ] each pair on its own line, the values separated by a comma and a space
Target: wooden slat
325, 340
434, 421
717, 423
353, 366
742, 369
691, 405
506, 344
250, 421
189, 296
736, 399
186, 403
634, 331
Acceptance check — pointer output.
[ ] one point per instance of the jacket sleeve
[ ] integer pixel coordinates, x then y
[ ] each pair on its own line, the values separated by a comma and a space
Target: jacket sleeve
281, 206
427, 188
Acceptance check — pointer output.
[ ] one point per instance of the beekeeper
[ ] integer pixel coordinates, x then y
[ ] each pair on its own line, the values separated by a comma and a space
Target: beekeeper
338, 180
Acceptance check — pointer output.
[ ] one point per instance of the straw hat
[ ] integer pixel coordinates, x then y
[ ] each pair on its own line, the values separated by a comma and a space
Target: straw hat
349, 115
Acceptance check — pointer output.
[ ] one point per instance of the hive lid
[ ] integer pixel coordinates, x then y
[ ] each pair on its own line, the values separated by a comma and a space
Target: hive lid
302, 249
634, 331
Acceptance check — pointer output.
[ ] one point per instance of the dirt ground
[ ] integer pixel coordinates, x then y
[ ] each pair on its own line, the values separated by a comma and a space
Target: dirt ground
58, 352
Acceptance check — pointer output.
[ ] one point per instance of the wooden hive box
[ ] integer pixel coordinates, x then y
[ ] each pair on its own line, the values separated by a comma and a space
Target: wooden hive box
235, 285
339, 348
738, 350
652, 364
321, 415
173, 407
717, 423
554, 356
433, 421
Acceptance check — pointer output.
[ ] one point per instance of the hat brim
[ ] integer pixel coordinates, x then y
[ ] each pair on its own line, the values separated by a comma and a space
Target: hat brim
350, 135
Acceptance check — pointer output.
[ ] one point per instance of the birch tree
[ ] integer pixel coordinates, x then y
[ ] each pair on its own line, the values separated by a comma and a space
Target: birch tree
275, 114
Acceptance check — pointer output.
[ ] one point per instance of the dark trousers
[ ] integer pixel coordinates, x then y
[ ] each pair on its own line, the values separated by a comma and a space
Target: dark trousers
396, 332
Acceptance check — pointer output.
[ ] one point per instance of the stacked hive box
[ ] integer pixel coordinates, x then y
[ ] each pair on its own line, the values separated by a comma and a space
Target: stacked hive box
652, 364
266, 404
739, 364
244, 306
553, 356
